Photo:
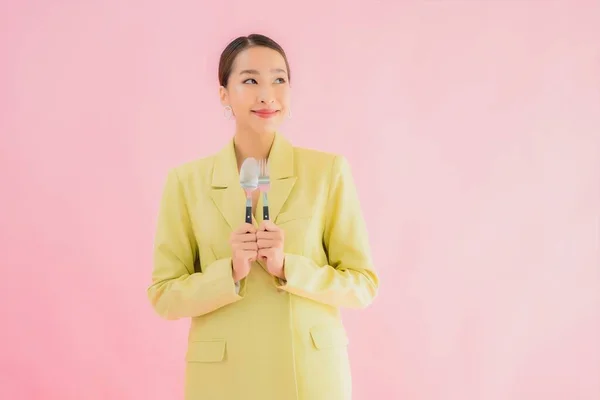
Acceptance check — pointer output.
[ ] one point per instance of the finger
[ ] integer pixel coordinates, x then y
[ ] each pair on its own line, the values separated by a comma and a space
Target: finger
250, 254
269, 226
249, 246
239, 235
240, 248
245, 237
267, 243
265, 253
269, 235
247, 254
245, 228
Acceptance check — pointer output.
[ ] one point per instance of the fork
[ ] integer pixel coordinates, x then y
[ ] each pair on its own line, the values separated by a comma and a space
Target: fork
264, 184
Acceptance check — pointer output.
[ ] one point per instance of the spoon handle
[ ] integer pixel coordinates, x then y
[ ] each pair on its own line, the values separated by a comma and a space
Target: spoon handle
249, 210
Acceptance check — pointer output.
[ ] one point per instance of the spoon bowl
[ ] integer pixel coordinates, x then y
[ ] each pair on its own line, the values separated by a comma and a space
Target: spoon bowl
249, 173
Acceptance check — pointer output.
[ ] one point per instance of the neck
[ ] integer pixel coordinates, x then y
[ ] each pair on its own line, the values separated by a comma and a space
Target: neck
251, 144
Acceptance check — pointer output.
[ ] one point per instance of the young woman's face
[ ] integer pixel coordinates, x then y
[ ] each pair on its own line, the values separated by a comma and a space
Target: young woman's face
258, 90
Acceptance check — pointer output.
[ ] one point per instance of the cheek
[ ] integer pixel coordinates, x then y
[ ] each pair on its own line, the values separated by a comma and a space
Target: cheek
239, 90
284, 95
241, 97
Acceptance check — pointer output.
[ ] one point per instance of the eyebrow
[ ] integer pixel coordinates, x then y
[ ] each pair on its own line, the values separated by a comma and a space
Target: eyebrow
255, 72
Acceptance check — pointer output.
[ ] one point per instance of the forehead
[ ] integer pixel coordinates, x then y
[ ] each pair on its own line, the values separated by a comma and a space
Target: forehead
259, 58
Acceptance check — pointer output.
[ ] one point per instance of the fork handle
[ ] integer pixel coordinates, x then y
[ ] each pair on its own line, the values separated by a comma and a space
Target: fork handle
249, 210
265, 207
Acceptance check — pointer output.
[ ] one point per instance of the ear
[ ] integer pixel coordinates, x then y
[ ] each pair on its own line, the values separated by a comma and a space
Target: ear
224, 96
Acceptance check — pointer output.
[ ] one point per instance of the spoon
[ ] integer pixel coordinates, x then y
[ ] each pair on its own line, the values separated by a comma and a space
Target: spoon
249, 182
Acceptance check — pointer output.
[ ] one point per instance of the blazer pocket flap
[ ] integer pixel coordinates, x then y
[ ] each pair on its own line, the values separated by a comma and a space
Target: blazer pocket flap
206, 351
327, 337
292, 216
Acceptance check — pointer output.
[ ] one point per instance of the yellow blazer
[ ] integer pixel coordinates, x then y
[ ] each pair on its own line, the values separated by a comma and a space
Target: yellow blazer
267, 340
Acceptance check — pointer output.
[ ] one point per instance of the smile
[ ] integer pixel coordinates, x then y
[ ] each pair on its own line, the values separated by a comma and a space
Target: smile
265, 113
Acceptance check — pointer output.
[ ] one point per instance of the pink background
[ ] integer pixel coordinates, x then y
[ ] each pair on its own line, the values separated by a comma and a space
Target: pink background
473, 131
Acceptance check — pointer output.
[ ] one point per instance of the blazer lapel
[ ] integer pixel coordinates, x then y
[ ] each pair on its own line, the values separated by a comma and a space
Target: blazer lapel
282, 174
226, 191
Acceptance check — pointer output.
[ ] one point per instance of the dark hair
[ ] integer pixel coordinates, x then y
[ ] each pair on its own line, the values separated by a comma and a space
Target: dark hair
242, 43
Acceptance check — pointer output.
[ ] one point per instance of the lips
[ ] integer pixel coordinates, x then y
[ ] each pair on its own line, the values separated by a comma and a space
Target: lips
265, 113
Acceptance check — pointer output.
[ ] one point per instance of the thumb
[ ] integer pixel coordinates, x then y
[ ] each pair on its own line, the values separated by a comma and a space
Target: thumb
269, 226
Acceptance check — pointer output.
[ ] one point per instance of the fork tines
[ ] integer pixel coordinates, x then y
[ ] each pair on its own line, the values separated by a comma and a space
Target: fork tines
264, 184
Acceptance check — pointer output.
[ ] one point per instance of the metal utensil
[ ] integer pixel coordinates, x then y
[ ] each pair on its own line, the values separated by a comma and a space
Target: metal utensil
249, 181
264, 184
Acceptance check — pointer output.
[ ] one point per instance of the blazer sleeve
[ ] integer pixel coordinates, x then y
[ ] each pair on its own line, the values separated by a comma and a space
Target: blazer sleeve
177, 290
349, 280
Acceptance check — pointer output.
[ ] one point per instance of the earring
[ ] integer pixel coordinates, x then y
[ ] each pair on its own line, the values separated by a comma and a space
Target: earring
228, 112
289, 113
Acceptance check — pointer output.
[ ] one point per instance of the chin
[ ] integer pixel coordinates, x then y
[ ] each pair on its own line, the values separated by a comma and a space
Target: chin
265, 128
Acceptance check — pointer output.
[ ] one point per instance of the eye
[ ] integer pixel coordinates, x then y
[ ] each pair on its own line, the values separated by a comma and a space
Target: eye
280, 80
251, 79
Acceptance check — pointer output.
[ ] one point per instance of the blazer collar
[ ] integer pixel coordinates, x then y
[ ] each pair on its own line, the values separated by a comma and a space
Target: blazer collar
281, 163
229, 196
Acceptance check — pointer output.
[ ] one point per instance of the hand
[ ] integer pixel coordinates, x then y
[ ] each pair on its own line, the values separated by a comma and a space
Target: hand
270, 248
244, 250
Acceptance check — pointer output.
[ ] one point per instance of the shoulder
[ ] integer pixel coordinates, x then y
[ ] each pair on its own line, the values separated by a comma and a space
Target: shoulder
198, 164
198, 170
319, 158
324, 162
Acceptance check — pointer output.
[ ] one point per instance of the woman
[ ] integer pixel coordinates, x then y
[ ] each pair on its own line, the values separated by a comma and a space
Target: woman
263, 298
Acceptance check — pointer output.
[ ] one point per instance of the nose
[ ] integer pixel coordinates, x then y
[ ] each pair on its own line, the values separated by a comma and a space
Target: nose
266, 95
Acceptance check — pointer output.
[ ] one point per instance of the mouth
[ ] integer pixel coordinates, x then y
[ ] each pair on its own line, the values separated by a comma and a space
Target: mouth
265, 113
